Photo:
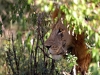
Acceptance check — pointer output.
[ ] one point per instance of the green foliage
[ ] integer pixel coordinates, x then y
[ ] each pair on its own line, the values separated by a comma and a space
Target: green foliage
25, 53
94, 69
69, 61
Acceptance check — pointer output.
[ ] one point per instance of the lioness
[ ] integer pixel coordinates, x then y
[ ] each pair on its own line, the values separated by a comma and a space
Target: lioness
61, 41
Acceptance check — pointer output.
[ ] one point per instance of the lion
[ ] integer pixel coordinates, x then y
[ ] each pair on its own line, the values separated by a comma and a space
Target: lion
62, 41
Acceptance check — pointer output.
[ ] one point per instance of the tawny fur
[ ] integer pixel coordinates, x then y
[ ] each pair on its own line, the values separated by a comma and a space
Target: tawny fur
81, 51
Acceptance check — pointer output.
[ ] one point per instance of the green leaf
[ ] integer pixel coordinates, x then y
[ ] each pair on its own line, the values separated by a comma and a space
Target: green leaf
46, 8
29, 1
96, 37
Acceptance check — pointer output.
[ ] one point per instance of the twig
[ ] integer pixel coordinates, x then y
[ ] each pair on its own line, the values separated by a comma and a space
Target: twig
15, 57
44, 53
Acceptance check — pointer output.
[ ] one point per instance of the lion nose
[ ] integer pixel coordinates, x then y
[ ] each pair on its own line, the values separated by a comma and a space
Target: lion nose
48, 47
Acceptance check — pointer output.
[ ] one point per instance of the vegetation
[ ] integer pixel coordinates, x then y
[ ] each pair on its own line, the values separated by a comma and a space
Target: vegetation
25, 25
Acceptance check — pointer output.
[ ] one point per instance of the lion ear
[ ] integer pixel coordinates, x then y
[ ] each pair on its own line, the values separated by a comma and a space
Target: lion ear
56, 13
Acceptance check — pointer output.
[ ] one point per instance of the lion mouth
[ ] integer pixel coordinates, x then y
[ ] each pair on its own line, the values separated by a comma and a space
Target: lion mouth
54, 52
56, 55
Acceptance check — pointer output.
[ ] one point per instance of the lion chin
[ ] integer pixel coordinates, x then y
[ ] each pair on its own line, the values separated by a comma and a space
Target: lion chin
56, 57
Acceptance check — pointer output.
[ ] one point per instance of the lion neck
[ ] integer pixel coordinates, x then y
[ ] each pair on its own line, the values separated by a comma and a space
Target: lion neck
80, 48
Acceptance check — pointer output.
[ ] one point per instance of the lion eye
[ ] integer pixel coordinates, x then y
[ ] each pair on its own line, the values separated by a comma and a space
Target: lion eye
60, 32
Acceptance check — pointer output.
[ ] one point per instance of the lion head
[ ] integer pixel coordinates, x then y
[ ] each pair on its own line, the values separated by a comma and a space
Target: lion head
59, 40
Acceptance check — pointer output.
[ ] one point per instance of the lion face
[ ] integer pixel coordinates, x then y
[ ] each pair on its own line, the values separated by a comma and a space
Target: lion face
58, 41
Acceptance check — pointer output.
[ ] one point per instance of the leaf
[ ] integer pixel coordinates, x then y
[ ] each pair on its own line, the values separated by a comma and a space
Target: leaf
76, 1
74, 14
29, 1
46, 8
96, 37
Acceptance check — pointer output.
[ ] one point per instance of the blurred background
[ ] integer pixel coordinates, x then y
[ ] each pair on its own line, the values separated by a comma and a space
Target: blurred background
26, 24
